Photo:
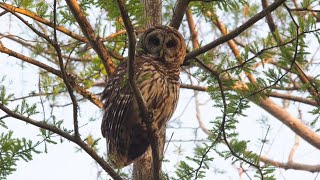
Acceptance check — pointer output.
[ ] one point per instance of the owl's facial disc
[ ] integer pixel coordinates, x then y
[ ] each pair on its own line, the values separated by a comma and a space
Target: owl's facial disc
171, 43
154, 43
164, 44
170, 49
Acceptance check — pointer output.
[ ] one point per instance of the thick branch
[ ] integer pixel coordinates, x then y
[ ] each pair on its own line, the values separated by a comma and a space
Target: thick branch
293, 98
77, 88
291, 165
34, 16
281, 114
236, 31
179, 10
293, 123
192, 29
94, 40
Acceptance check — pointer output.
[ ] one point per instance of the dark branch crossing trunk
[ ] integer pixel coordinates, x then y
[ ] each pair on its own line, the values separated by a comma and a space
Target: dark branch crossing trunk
142, 168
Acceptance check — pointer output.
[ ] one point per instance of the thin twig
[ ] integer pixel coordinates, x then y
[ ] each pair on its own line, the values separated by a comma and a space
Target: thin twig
79, 142
296, 142
65, 78
223, 125
88, 95
34, 16
263, 142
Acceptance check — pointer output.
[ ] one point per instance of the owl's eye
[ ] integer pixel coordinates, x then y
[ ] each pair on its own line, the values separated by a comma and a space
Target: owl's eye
171, 44
154, 41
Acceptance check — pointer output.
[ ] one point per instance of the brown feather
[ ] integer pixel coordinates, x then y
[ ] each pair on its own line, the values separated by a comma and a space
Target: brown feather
158, 81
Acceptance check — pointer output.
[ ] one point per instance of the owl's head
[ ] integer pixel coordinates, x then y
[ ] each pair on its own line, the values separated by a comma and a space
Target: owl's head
164, 43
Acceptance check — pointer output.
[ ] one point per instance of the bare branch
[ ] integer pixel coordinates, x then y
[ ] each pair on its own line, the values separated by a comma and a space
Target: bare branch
305, 9
30, 60
194, 87
31, 95
236, 31
195, 44
65, 77
132, 43
293, 123
94, 40
179, 10
78, 141
88, 95
32, 47
192, 29
293, 98
34, 16
290, 165
296, 142
269, 19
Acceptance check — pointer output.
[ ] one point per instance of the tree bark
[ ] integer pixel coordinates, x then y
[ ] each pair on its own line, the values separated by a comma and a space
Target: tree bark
152, 12
142, 168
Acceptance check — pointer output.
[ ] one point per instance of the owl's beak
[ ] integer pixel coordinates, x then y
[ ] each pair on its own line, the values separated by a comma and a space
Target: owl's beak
161, 53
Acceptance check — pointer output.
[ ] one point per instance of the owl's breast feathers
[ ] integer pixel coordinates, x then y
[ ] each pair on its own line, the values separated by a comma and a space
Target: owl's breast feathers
124, 129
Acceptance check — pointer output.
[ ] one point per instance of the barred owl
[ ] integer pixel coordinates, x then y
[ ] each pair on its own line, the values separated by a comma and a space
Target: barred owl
161, 51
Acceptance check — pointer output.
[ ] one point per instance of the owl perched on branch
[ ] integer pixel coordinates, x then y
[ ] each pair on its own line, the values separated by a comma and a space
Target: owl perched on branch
161, 51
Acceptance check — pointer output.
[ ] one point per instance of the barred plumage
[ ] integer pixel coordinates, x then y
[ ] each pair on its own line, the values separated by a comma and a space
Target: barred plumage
157, 66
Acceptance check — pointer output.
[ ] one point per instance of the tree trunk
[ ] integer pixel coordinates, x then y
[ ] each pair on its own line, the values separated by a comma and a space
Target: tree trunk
142, 168
152, 12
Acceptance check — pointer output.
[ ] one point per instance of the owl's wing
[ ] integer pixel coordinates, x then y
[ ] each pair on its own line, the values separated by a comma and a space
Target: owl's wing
125, 133
116, 96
